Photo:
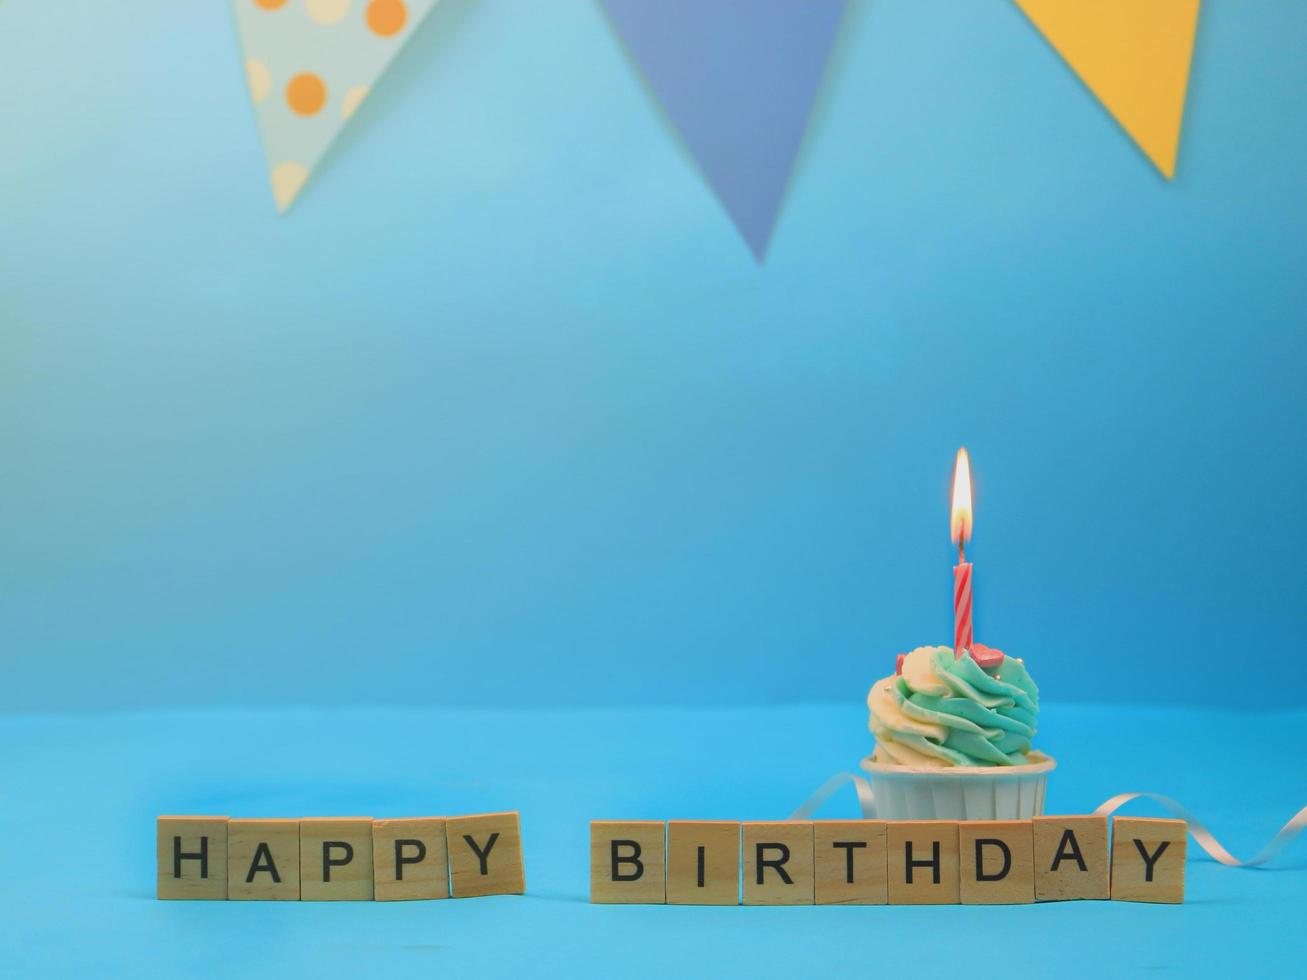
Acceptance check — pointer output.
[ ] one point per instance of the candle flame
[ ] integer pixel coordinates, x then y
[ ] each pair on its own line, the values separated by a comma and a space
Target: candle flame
960, 521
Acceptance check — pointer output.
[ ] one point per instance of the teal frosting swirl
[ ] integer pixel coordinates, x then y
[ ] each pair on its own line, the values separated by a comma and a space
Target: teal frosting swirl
942, 711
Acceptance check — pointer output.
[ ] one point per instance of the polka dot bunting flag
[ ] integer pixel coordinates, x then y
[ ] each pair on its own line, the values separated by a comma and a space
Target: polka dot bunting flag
309, 65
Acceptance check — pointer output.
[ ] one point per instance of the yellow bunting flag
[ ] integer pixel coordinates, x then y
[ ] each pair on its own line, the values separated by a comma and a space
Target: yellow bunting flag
1134, 56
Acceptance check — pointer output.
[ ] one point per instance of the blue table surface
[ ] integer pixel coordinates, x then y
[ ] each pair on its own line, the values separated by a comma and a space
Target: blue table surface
81, 794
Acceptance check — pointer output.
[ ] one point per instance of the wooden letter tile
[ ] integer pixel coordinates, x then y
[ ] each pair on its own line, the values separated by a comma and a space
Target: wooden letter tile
336, 859
263, 859
1148, 859
409, 859
1071, 858
485, 855
996, 859
778, 862
849, 858
192, 854
627, 862
703, 862
923, 862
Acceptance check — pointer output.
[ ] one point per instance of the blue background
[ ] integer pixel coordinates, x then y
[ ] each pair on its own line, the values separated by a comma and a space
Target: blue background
498, 475
505, 413
77, 896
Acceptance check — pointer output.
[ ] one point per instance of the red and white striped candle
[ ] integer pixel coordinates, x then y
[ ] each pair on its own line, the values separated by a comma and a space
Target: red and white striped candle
960, 531
962, 638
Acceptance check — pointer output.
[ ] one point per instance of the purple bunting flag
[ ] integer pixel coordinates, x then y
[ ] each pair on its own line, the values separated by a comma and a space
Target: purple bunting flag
738, 78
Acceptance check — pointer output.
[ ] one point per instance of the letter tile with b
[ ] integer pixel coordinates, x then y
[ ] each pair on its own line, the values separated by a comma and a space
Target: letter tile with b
627, 862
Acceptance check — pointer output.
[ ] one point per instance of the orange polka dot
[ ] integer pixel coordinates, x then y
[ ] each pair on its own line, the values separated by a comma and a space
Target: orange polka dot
386, 17
306, 94
269, 4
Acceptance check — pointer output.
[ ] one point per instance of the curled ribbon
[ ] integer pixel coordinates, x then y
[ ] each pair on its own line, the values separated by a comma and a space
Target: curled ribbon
866, 801
1204, 837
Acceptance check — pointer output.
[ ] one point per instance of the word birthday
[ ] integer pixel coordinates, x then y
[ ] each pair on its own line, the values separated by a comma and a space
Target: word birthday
323, 859
895, 862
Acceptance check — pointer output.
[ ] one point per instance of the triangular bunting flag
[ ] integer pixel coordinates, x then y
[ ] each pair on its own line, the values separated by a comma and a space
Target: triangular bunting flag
738, 79
1134, 56
310, 63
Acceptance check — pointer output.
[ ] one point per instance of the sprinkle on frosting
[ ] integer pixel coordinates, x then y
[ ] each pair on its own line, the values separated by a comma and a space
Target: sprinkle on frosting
940, 711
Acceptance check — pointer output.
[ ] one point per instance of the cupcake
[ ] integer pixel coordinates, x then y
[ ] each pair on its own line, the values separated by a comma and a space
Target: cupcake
953, 738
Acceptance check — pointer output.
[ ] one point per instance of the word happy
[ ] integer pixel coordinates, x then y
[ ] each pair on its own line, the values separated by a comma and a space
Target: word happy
339, 858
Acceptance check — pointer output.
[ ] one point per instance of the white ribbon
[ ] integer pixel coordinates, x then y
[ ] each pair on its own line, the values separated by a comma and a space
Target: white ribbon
1204, 837
829, 788
1282, 839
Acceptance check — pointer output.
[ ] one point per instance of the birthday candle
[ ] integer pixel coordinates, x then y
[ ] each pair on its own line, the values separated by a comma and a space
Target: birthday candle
960, 531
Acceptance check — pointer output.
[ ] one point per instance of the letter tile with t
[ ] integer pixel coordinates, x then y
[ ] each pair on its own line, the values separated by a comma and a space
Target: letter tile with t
778, 862
849, 862
485, 855
627, 862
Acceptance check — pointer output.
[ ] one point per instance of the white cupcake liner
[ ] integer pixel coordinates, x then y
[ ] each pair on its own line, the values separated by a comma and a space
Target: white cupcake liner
960, 792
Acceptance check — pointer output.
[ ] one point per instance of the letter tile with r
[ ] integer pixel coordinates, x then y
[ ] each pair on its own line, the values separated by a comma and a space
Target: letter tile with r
778, 862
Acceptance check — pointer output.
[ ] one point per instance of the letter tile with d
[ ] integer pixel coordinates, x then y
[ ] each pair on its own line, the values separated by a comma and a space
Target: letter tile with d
996, 859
